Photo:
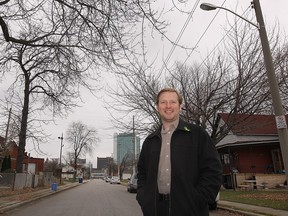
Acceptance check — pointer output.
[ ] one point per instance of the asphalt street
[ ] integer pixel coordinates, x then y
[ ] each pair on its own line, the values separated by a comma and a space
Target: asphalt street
95, 197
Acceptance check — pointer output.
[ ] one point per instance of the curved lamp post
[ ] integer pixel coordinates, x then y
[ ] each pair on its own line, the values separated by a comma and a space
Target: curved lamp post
207, 6
270, 71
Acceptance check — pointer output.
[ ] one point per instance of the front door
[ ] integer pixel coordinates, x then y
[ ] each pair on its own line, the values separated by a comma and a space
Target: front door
277, 162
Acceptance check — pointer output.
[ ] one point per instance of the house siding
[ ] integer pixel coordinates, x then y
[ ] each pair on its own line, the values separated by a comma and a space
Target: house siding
250, 148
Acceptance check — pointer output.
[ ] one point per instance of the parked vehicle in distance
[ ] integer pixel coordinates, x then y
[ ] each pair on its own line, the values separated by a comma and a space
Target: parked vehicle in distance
107, 178
115, 180
132, 183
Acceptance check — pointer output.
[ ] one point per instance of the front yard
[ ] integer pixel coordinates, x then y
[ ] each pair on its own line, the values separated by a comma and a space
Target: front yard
277, 199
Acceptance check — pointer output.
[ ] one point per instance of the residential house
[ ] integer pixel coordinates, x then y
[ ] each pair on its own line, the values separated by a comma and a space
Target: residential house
250, 150
30, 164
67, 172
80, 169
9, 148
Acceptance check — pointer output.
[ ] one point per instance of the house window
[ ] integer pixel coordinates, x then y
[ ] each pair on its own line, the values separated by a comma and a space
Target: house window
225, 159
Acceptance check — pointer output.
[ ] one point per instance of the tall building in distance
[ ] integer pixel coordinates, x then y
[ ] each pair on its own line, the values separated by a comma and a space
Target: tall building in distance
103, 162
125, 144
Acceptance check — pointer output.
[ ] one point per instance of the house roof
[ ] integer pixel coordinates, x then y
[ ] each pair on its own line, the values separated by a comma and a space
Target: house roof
245, 124
252, 140
245, 129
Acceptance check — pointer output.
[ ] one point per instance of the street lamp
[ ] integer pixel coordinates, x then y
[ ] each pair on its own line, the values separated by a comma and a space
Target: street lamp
208, 7
61, 138
270, 71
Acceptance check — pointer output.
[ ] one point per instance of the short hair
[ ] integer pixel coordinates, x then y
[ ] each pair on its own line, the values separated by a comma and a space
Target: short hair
180, 99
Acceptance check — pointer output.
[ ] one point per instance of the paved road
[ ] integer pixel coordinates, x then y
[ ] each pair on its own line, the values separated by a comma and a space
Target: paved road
96, 198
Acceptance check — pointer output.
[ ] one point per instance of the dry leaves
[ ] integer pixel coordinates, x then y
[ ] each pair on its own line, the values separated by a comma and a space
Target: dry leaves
268, 196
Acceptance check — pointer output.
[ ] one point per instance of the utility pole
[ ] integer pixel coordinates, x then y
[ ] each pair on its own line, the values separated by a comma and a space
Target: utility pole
7, 128
280, 118
274, 89
61, 138
134, 148
3, 146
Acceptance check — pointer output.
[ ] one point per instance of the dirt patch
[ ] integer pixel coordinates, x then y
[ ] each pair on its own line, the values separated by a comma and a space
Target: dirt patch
18, 193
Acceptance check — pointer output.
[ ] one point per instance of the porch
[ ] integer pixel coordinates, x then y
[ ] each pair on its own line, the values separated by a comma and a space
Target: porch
252, 181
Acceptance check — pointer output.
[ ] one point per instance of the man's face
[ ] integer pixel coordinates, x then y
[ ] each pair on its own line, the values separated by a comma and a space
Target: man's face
168, 106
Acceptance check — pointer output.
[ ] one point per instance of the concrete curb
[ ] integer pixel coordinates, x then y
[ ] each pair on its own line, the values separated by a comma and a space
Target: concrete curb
246, 213
37, 196
250, 210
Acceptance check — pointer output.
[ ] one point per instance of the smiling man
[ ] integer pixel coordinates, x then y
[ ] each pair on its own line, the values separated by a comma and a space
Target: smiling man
168, 105
179, 171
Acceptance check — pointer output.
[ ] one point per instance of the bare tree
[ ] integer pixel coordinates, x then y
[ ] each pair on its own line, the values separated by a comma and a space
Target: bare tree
233, 81
82, 140
204, 89
108, 29
281, 66
47, 83
251, 93
135, 96
56, 43
127, 162
51, 166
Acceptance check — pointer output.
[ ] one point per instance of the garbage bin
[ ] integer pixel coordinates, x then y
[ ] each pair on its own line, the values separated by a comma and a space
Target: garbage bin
80, 180
54, 187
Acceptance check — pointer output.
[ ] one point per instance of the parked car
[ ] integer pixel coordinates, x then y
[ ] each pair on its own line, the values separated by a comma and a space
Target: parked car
132, 183
107, 178
115, 180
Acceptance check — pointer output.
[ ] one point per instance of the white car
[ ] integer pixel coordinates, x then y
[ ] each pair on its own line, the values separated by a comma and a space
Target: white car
115, 180
132, 183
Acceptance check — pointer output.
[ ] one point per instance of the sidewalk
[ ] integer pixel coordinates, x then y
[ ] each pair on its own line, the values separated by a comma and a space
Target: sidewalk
250, 210
13, 201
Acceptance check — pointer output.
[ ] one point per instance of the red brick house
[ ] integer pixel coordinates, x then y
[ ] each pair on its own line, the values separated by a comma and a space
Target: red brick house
250, 148
30, 164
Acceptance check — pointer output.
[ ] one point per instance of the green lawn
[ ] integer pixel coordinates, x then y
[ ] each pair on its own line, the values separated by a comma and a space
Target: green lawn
277, 199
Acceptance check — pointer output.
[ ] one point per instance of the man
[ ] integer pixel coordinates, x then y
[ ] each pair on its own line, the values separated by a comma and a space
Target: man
179, 171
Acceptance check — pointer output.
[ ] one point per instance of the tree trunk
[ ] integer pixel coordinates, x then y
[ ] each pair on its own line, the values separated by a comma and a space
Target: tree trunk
23, 129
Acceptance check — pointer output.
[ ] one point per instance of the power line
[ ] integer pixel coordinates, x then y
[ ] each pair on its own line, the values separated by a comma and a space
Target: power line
204, 35
179, 36
218, 44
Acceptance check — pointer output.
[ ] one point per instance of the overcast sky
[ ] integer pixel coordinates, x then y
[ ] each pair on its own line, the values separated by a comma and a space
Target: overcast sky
92, 112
